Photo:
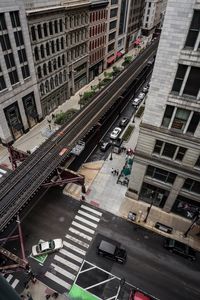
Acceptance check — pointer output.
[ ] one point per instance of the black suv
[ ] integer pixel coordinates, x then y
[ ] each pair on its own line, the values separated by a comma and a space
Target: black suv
180, 248
112, 252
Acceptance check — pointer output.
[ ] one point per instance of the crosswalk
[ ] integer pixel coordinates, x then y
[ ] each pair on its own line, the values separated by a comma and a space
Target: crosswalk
67, 262
11, 280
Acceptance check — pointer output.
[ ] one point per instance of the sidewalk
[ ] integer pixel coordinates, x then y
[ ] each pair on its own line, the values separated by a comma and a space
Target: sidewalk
36, 135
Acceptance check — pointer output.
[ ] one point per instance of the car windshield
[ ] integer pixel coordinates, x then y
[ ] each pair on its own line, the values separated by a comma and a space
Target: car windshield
45, 246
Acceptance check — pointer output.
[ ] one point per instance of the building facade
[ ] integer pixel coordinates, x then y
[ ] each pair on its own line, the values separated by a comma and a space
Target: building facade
97, 37
153, 15
20, 107
166, 168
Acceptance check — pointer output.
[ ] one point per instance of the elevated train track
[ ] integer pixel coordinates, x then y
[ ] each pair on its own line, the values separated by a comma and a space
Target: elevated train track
25, 181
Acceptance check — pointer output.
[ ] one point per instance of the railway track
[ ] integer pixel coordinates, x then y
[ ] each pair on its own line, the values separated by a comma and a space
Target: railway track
24, 182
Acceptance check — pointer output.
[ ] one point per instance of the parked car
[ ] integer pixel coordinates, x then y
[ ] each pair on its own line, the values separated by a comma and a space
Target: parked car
123, 122
104, 146
136, 102
145, 89
140, 296
47, 247
111, 251
115, 133
180, 248
141, 96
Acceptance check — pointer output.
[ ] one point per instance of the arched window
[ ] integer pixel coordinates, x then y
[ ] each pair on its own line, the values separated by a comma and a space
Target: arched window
36, 53
56, 26
44, 69
61, 25
52, 47
57, 45
64, 75
47, 86
39, 72
54, 64
33, 33
47, 49
90, 17
59, 62
42, 51
82, 19
51, 84
62, 43
45, 29
90, 46
42, 89
56, 80
50, 28
39, 29
63, 59
49, 66
60, 78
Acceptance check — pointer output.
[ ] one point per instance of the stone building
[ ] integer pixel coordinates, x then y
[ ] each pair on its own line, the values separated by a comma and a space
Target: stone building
97, 37
20, 107
59, 40
166, 168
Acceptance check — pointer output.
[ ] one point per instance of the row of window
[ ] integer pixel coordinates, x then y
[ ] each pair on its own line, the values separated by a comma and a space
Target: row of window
97, 29
15, 20
44, 30
187, 81
98, 15
52, 66
48, 48
97, 55
76, 20
76, 52
53, 82
76, 37
169, 177
97, 43
180, 119
169, 150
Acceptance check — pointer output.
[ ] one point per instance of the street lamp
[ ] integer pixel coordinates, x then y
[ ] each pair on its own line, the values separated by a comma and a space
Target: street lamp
195, 219
111, 158
148, 210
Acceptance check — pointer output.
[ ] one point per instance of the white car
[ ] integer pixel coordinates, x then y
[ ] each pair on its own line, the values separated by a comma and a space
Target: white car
47, 247
145, 89
115, 133
136, 102
141, 96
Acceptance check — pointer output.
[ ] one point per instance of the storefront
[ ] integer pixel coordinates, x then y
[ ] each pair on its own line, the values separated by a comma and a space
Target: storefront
30, 109
153, 195
185, 207
14, 120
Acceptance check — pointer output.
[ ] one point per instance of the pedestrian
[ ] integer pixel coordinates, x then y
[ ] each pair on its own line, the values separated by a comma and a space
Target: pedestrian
48, 296
55, 295
112, 171
117, 172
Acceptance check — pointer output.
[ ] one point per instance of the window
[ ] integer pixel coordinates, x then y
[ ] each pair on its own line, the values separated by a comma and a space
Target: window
5, 42
22, 56
167, 116
192, 186
42, 51
14, 15
180, 74
25, 71
2, 83
52, 47
33, 34
111, 47
113, 13
45, 29
47, 49
50, 28
9, 59
112, 36
57, 45
160, 174
153, 194
36, 53
192, 85
113, 2
2, 22
39, 72
13, 77
56, 26
18, 38
180, 154
61, 25
193, 123
197, 164
180, 119
194, 30
185, 207
169, 150
158, 147
39, 29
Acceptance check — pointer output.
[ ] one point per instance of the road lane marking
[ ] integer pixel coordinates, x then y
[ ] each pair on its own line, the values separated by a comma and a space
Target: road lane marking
72, 256
66, 263
72, 247
63, 272
91, 210
9, 277
83, 227
79, 233
85, 221
58, 280
81, 212
79, 242
15, 282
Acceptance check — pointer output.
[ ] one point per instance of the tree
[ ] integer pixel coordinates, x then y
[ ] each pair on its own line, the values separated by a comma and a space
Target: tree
116, 71
127, 60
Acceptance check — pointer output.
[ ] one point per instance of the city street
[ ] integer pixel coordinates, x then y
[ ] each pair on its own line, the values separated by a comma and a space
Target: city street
149, 266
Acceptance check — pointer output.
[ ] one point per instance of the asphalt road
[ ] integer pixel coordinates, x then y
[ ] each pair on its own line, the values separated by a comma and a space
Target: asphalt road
149, 266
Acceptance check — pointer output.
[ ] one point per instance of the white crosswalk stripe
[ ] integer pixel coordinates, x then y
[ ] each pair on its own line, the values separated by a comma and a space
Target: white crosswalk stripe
79, 233
58, 280
15, 282
70, 255
74, 248
63, 272
86, 221
79, 242
9, 277
81, 212
66, 263
83, 227
94, 211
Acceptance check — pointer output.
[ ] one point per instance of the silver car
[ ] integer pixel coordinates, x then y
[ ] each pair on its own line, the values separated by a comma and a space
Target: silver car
47, 247
115, 133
